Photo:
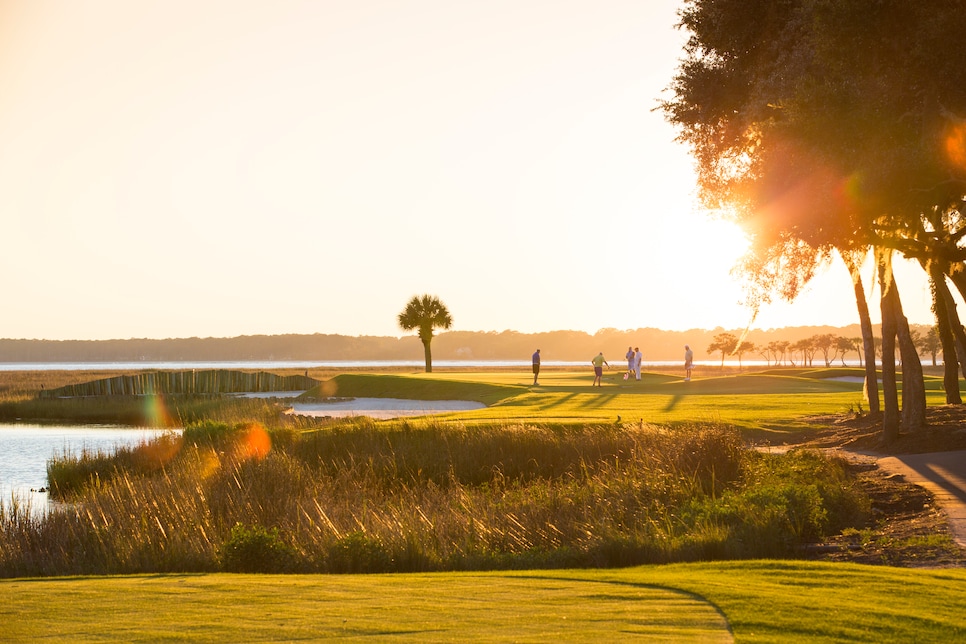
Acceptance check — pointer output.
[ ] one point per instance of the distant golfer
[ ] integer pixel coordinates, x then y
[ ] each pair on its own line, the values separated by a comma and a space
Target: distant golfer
630, 362
688, 362
536, 366
638, 356
598, 363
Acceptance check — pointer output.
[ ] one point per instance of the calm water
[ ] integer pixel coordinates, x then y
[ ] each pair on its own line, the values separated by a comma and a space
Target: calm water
266, 365
269, 365
25, 449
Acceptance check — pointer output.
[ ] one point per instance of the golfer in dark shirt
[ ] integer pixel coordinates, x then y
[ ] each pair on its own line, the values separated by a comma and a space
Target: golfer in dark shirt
536, 366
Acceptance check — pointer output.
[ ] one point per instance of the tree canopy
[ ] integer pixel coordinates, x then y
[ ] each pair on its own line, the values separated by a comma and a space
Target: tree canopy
831, 125
830, 122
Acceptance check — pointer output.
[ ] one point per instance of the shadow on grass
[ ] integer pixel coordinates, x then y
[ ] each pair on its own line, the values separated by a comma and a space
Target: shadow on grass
599, 400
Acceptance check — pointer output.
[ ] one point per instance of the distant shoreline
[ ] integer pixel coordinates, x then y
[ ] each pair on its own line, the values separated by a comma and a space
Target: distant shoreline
505, 347
288, 365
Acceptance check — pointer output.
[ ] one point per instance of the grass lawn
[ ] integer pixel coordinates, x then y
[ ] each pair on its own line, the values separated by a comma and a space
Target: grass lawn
765, 404
752, 601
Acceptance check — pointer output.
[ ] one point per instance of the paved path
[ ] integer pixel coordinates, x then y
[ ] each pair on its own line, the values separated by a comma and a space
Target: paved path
943, 474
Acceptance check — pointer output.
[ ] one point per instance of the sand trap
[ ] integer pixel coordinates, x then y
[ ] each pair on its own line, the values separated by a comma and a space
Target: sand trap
382, 408
268, 394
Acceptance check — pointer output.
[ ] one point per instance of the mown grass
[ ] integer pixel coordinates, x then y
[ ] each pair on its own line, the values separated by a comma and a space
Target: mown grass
759, 601
768, 405
770, 601
412, 388
418, 607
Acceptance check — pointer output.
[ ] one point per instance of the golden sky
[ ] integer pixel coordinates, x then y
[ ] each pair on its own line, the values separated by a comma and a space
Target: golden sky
181, 168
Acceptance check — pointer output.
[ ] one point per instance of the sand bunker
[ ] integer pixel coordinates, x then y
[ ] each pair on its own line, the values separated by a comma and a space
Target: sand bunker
382, 408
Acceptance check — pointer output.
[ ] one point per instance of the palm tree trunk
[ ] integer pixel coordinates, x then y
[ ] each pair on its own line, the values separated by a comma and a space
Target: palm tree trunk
429, 357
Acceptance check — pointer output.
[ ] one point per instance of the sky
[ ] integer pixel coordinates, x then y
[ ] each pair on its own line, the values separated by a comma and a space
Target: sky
212, 169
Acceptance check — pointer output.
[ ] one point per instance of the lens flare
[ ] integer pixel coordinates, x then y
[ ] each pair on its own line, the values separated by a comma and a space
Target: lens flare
328, 388
254, 442
159, 452
956, 145
156, 411
208, 463
850, 191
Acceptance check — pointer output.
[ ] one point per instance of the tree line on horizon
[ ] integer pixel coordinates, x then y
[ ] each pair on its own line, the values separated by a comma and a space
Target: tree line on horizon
561, 345
829, 346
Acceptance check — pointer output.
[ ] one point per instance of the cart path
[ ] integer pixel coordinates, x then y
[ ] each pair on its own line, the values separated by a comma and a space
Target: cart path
943, 474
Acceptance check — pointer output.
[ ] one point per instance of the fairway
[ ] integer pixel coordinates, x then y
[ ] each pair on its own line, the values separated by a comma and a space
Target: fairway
414, 608
766, 403
753, 601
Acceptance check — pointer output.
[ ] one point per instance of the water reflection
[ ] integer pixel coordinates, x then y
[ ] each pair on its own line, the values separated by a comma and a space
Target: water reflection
25, 450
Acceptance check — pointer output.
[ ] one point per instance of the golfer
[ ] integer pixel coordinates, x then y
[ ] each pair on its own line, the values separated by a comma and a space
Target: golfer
688, 362
598, 363
536, 366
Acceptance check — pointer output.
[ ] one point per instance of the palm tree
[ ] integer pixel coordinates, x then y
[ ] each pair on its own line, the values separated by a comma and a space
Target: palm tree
425, 312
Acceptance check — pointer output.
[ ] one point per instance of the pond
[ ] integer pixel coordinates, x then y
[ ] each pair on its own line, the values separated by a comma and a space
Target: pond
382, 408
25, 450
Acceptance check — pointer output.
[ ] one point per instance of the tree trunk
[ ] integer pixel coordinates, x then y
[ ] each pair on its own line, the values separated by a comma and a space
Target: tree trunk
871, 388
954, 322
890, 395
913, 383
940, 293
956, 272
429, 357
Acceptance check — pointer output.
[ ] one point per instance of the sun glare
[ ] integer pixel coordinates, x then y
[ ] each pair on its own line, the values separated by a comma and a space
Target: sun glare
956, 146
718, 243
694, 287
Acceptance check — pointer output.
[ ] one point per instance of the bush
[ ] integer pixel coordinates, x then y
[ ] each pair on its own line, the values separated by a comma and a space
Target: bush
256, 549
783, 502
357, 552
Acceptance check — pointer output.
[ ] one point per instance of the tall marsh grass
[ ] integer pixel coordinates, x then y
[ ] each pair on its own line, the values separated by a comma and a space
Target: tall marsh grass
419, 496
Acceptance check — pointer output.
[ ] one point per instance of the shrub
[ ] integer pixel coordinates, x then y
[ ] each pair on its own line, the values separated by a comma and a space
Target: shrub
256, 549
357, 552
782, 502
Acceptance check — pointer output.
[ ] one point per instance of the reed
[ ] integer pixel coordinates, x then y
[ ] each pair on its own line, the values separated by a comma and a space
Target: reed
416, 496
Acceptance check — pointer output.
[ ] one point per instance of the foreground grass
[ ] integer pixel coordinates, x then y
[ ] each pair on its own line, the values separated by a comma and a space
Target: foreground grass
759, 601
418, 497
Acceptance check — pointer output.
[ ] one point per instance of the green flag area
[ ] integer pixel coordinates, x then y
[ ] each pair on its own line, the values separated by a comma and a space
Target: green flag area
767, 401
753, 601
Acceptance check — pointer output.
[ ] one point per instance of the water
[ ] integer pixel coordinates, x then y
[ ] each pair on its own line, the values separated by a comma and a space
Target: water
25, 449
270, 365
264, 365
